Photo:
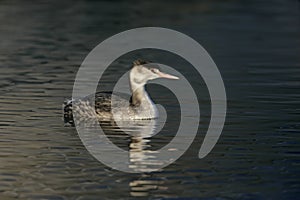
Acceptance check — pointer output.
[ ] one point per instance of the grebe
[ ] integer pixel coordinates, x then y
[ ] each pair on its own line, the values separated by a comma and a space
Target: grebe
109, 106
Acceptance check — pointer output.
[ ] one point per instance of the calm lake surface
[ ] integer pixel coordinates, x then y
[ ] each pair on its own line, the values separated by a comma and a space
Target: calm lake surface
256, 46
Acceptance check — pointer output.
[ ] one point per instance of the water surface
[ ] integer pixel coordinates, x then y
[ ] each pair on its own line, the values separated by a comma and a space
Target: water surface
256, 46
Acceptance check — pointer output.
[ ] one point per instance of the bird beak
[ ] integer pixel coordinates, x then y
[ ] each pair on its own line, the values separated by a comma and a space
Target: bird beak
168, 76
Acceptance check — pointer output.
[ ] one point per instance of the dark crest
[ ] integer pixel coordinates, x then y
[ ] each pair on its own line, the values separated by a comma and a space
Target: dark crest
139, 62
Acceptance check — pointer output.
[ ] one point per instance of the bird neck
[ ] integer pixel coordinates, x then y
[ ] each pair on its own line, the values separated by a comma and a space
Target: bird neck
139, 95
140, 101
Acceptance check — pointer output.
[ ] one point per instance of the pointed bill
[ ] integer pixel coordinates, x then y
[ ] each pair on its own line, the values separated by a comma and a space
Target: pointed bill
168, 76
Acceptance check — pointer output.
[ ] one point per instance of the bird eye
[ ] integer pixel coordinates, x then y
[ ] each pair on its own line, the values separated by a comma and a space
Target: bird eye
154, 70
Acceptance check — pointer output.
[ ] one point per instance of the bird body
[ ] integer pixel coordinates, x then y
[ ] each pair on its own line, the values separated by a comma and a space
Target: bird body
118, 106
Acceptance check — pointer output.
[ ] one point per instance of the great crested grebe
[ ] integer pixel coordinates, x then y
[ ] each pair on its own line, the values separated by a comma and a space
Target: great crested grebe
110, 106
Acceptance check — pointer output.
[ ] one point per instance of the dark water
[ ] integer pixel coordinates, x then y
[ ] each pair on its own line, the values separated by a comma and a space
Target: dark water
256, 46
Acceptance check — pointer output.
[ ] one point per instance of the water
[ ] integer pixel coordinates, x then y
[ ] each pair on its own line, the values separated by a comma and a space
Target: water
256, 47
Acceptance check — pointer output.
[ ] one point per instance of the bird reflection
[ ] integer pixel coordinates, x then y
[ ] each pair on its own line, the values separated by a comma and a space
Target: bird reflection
142, 186
137, 134
141, 157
